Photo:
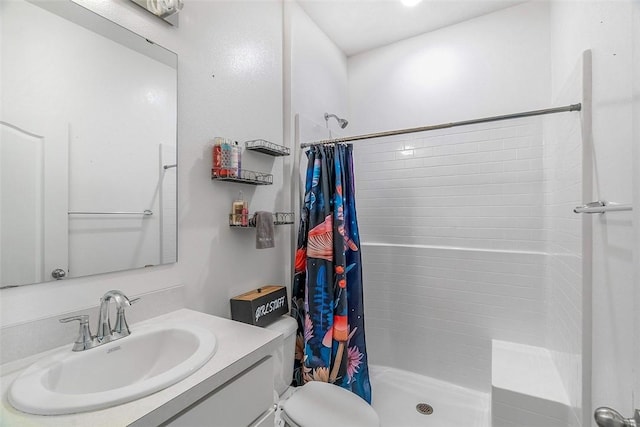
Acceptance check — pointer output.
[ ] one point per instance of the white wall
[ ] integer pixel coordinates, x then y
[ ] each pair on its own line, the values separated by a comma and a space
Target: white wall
452, 221
241, 44
319, 81
491, 65
606, 28
316, 82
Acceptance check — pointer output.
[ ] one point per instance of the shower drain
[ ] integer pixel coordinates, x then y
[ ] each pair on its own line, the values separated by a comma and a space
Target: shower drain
424, 408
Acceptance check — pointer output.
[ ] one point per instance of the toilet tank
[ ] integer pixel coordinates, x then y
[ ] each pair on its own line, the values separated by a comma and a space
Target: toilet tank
283, 356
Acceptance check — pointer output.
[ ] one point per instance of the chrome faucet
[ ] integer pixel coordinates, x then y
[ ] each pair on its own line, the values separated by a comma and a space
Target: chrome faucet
105, 334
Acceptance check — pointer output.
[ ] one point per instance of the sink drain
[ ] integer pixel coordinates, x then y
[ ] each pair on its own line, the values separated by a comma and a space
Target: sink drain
424, 408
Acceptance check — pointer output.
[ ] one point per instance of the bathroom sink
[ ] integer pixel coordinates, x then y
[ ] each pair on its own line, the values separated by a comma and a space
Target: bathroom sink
150, 359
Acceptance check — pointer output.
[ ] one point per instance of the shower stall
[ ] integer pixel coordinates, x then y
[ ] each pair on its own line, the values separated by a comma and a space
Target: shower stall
460, 258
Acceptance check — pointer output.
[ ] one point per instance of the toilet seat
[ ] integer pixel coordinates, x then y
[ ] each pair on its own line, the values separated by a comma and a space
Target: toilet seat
319, 404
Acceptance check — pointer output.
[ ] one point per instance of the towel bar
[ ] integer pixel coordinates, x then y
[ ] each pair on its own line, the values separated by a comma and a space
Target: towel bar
279, 218
146, 212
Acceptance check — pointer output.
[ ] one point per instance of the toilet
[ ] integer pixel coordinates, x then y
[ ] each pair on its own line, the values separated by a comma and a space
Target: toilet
316, 404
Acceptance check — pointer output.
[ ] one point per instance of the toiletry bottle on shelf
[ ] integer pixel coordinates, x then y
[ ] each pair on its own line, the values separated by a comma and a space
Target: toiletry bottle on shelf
245, 213
225, 150
236, 210
239, 171
217, 156
233, 170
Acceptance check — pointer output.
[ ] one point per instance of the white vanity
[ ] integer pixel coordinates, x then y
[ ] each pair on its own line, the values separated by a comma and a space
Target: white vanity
233, 388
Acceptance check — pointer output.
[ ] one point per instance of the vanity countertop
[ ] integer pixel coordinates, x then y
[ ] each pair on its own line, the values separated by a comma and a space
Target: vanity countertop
239, 347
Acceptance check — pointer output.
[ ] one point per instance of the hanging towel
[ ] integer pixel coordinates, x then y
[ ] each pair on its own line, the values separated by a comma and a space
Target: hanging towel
264, 230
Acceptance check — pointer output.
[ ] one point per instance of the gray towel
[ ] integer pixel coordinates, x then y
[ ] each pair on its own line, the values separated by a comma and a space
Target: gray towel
264, 230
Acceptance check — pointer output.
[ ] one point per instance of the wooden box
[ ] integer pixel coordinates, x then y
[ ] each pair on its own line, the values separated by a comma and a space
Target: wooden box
260, 306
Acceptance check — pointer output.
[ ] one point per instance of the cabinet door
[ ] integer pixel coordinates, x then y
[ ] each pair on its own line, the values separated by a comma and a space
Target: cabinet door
239, 403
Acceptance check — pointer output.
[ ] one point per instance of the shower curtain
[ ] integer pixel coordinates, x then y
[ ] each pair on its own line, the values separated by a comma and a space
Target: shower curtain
327, 286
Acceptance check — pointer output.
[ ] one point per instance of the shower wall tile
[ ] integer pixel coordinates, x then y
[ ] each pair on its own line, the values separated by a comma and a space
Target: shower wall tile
479, 186
454, 247
468, 238
435, 310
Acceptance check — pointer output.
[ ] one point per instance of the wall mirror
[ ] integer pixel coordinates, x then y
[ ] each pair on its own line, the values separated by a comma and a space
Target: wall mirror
88, 147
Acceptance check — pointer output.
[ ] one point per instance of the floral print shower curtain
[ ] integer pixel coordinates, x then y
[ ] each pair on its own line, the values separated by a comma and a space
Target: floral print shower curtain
327, 287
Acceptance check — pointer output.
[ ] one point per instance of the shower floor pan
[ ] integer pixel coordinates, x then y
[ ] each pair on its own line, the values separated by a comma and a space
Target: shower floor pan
406, 399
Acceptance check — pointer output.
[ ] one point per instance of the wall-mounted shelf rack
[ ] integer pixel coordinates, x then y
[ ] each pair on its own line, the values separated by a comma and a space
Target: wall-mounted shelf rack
245, 176
266, 147
279, 218
250, 177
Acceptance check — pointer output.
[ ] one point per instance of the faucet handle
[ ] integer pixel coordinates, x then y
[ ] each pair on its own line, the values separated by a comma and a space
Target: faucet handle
83, 318
84, 340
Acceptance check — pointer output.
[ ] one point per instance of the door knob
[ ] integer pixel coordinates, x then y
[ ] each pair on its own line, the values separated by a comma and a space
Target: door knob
607, 417
58, 274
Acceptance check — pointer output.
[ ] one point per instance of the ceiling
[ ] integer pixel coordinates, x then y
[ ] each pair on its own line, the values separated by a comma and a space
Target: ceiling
356, 26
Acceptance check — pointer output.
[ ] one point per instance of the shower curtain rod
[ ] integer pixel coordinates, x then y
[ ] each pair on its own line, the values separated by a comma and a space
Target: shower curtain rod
572, 107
